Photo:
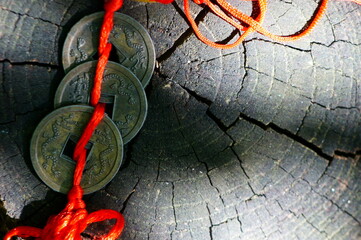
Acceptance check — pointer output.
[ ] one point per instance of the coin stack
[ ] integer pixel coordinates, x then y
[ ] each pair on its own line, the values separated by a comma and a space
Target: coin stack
129, 70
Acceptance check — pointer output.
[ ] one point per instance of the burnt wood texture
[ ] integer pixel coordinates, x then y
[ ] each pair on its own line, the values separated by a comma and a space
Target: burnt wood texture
258, 142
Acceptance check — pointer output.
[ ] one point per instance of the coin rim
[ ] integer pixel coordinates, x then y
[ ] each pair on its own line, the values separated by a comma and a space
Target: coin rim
42, 173
120, 68
143, 32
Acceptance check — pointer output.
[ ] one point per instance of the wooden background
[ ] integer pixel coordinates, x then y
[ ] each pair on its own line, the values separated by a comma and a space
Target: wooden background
257, 142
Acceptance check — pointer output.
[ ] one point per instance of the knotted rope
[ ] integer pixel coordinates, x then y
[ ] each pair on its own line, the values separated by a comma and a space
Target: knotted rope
236, 18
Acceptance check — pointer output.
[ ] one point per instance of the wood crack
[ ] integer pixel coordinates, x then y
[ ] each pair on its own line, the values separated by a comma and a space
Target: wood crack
17, 115
199, 160
173, 208
27, 15
185, 36
125, 203
269, 126
321, 195
33, 63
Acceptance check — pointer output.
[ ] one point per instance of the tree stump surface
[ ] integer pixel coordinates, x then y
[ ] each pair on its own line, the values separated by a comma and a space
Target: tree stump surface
257, 142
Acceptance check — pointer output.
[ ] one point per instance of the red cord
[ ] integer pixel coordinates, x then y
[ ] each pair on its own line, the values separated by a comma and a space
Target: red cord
74, 218
236, 18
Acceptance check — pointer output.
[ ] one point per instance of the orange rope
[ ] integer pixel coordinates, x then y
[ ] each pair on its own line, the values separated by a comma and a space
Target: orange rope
243, 18
230, 14
74, 218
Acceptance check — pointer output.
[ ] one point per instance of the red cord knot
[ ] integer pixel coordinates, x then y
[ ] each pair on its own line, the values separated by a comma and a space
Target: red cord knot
69, 224
75, 196
65, 225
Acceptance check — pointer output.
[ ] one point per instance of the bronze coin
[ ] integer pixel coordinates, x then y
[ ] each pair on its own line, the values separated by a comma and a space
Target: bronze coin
121, 91
134, 47
53, 143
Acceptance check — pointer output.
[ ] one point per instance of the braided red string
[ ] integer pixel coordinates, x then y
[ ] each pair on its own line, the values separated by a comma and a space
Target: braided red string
74, 218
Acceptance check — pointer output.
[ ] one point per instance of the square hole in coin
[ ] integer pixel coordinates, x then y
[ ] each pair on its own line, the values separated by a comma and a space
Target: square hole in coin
113, 55
69, 147
109, 104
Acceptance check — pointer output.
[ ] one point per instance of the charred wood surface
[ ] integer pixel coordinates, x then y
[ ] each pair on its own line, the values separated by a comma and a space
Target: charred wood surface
258, 142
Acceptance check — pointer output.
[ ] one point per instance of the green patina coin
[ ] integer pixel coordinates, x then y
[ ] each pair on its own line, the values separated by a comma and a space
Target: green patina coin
126, 102
53, 143
134, 47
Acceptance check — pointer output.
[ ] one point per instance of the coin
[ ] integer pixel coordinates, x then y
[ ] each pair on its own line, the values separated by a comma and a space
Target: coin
53, 143
126, 102
134, 47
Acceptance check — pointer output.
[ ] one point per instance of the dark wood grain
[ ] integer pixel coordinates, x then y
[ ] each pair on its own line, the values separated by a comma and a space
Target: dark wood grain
258, 142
